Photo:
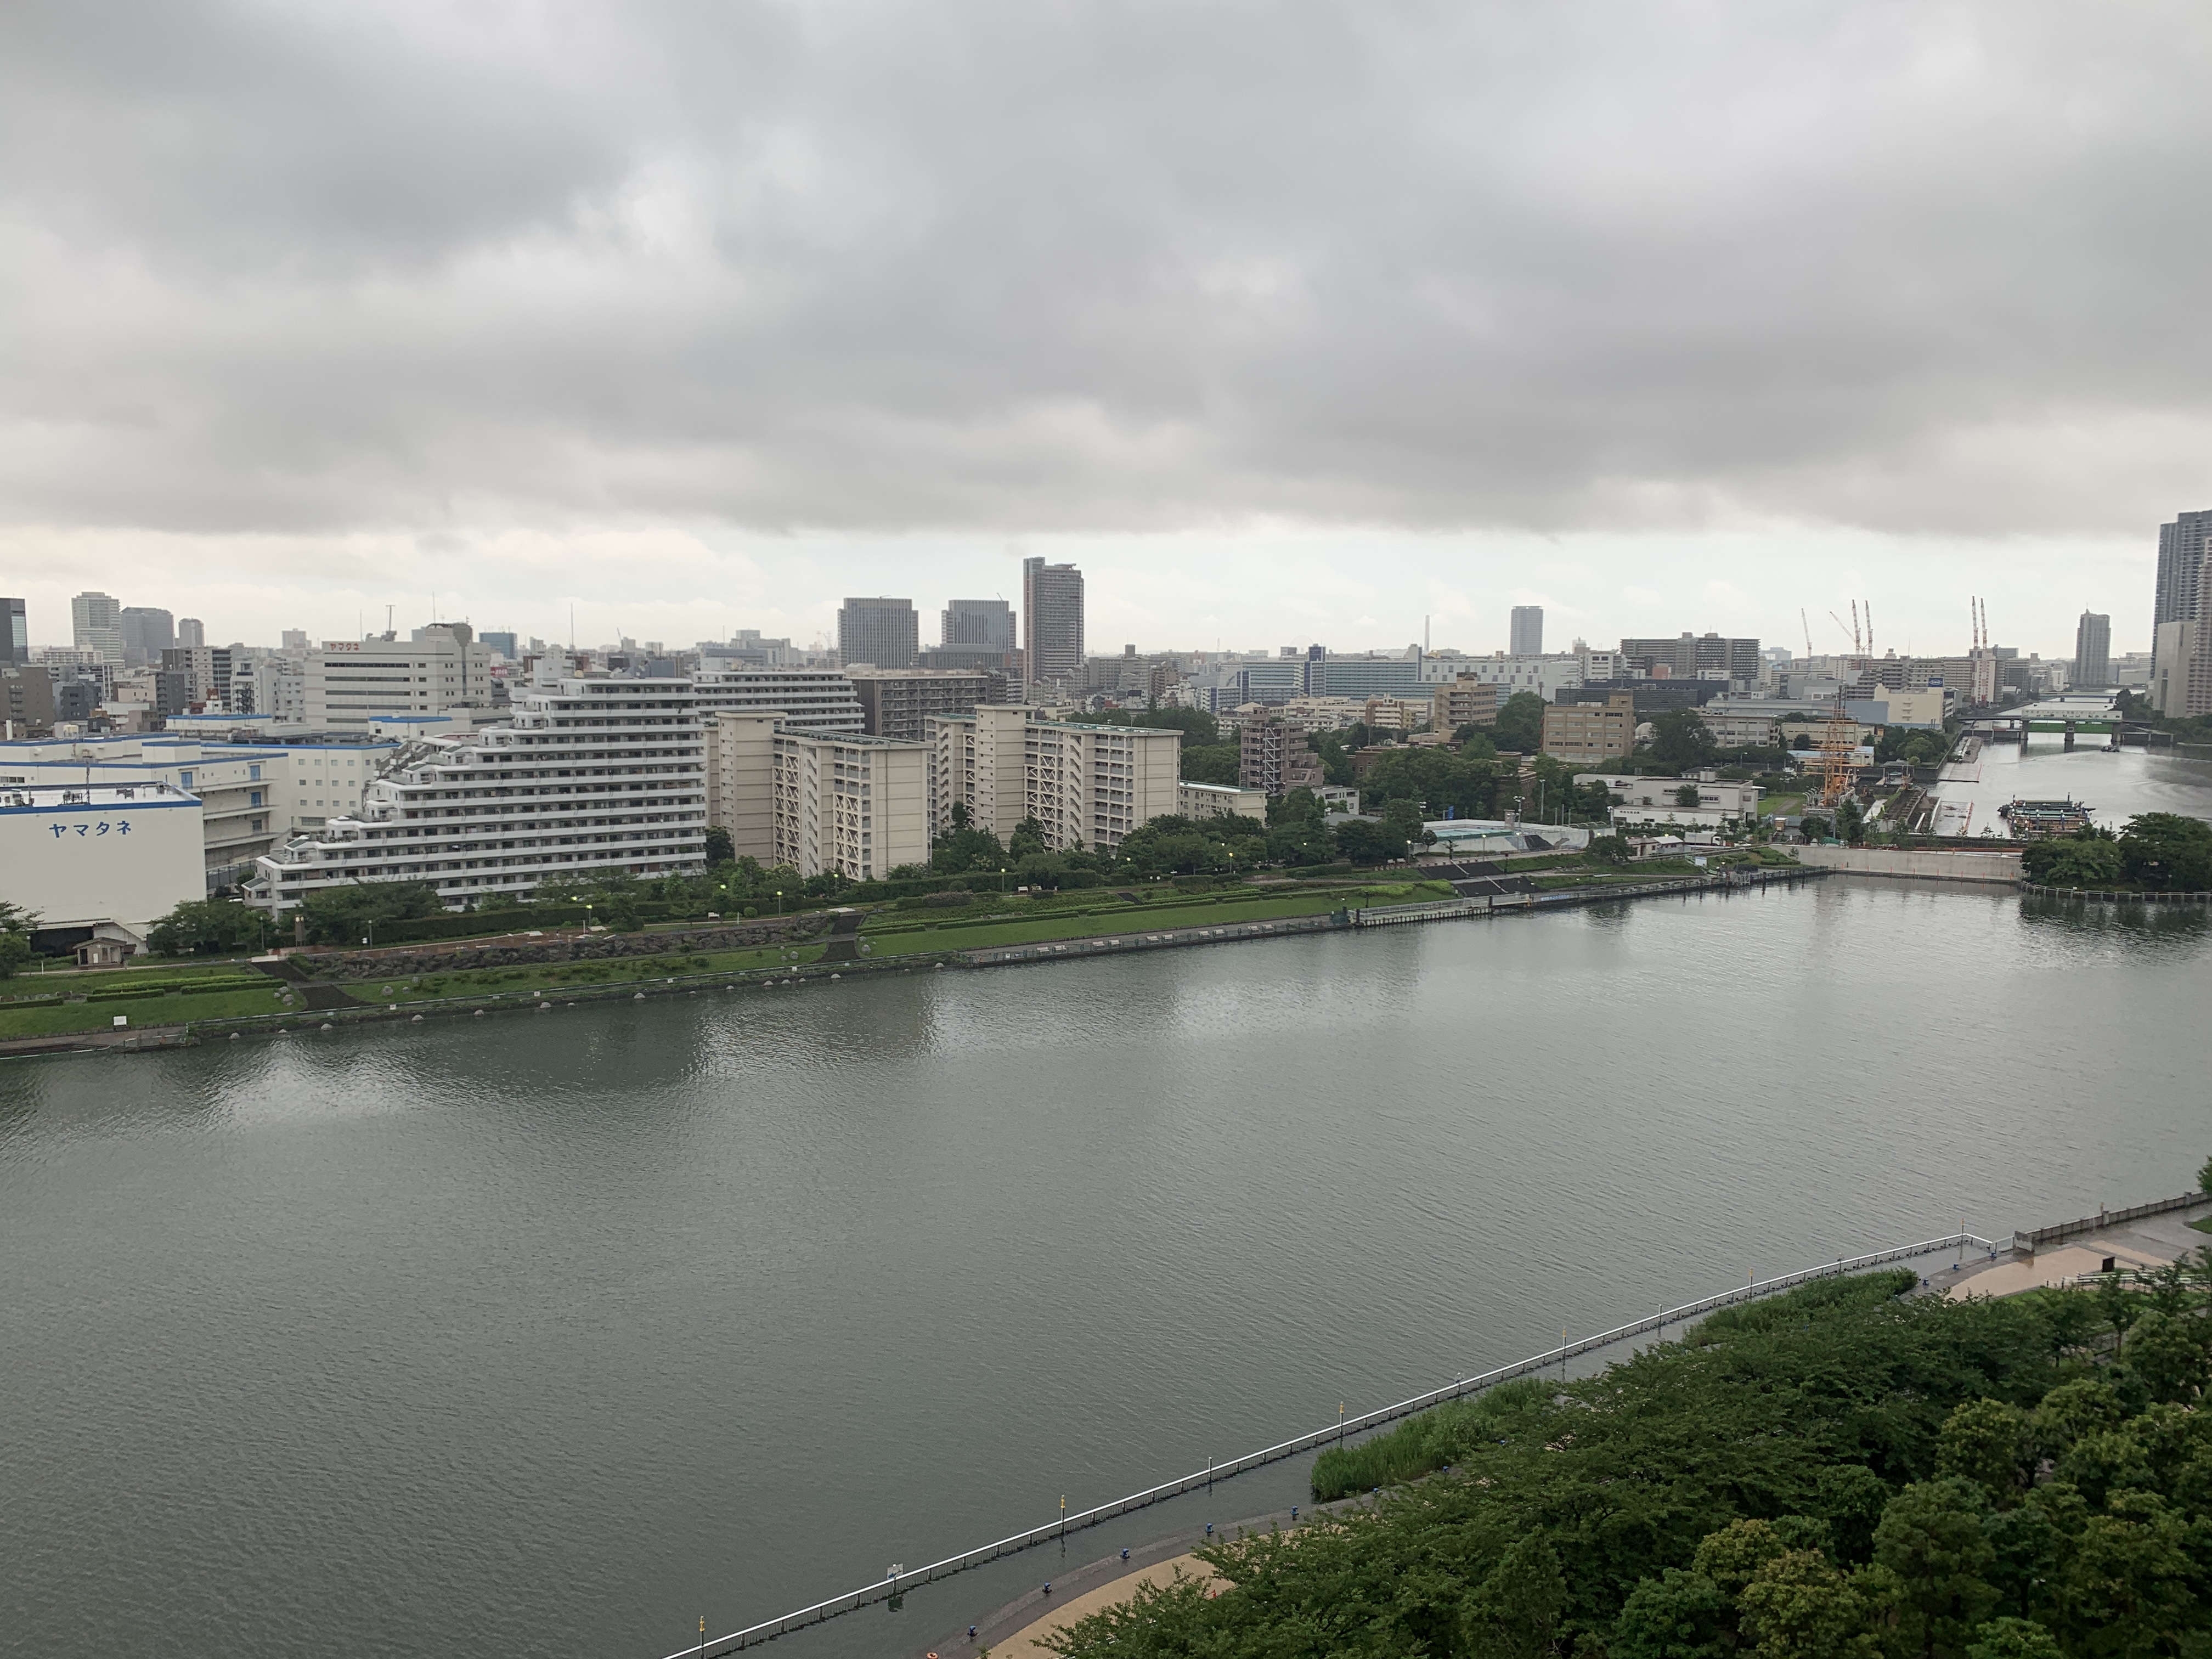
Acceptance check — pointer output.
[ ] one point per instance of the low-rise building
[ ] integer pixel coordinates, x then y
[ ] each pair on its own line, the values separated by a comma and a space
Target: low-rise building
1219, 800
847, 802
1397, 714
1589, 733
1734, 730
1666, 801
99, 860
1468, 700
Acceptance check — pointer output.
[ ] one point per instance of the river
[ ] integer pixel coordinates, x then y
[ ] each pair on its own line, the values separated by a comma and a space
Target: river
2114, 786
548, 1335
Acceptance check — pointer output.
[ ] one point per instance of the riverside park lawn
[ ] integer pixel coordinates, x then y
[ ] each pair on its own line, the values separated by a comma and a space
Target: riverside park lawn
892, 932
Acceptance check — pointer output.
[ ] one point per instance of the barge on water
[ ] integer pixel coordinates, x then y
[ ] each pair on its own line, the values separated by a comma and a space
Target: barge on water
2044, 817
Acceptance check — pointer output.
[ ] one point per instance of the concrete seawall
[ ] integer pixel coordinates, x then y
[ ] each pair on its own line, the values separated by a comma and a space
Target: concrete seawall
1915, 863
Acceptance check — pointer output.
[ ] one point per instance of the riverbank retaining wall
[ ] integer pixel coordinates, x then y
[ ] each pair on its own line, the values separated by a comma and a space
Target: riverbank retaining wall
1915, 864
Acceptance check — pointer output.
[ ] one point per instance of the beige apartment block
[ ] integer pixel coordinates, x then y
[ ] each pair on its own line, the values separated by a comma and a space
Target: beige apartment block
1219, 800
740, 779
1088, 786
1467, 701
1585, 733
856, 805
1398, 714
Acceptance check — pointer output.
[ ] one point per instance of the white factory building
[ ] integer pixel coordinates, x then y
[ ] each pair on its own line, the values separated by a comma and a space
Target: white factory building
99, 860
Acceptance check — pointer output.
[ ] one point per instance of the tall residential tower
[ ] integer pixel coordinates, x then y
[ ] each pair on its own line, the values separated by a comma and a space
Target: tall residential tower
1052, 620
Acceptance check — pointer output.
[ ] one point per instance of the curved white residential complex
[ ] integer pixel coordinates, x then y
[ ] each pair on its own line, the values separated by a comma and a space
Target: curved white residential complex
591, 774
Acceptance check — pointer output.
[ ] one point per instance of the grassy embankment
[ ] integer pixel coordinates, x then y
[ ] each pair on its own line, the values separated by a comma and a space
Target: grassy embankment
903, 932
37, 1004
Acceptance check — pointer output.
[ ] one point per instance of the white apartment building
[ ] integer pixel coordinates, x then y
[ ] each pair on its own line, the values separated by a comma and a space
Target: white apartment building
805, 699
349, 682
589, 774
855, 804
1546, 675
1088, 786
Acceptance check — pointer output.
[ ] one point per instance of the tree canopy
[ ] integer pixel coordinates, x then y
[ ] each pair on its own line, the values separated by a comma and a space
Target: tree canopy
1681, 741
1519, 727
1838, 1473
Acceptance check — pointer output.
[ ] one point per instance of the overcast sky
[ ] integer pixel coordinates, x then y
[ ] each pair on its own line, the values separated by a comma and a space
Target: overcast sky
1288, 321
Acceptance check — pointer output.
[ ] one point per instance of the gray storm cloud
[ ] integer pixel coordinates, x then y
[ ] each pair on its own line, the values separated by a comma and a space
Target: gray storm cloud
309, 267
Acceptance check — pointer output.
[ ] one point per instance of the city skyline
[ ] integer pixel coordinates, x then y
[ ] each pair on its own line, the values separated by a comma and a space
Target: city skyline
1237, 597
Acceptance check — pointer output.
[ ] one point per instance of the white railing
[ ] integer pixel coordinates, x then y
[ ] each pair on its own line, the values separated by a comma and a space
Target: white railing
1335, 1434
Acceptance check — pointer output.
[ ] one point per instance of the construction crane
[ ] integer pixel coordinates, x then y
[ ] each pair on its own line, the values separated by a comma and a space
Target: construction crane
1807, 627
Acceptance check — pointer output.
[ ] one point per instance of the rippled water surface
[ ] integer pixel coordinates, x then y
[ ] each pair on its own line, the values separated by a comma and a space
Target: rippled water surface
548, 1335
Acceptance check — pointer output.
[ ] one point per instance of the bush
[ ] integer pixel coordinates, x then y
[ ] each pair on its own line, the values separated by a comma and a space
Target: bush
208, 927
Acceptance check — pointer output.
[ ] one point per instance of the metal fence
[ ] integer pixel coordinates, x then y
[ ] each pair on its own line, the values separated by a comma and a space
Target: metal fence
1335, 1434
2031, 1242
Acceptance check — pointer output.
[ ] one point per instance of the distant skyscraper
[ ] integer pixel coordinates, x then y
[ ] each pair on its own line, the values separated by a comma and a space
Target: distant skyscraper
191, 631
2093, 650
14, 633
2183, 548
988, 624
147, 633
96, 625
883, 633
1052, 619
1527, 631
295, 638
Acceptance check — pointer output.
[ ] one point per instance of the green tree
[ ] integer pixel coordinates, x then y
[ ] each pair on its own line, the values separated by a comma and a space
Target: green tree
17, 927
1519, 727
1681, 741
1988, 1443
1365, 842
1608, 849
963, 850
2205, 1177
1850, 820
720, 848
2013, 1639
1514, 1613
2074, 862
1850, 1497
207, 927
1732, 1556
2168, 851
1686, 795
1402, 820
343, 915
1212, 764
1799, 1607
1931, 1536
1027, 839
2129, 1585
1677, 1615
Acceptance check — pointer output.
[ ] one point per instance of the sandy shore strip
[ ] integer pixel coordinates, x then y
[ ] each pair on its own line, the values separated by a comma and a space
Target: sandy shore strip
1024, 1644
